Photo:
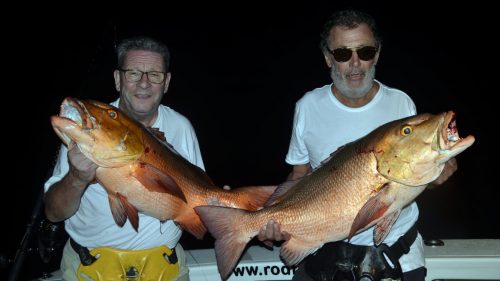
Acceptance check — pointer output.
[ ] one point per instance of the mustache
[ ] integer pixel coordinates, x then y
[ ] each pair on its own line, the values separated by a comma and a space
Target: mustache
355, 71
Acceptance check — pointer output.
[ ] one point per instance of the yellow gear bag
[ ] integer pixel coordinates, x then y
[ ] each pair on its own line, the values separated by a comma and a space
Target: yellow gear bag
138, 265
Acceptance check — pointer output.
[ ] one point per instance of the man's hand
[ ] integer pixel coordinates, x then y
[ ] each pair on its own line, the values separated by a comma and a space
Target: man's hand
450, 167
272, 232
80, 166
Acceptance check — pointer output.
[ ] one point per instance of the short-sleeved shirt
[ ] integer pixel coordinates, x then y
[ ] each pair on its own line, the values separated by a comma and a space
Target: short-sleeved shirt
322, 124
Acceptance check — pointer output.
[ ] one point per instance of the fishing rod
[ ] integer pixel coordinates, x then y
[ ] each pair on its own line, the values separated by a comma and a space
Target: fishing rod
23, 248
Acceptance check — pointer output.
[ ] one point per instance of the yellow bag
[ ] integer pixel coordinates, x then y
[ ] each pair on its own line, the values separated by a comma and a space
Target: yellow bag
155, 264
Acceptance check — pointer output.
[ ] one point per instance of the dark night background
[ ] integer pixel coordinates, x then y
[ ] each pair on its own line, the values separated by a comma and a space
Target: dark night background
237, 71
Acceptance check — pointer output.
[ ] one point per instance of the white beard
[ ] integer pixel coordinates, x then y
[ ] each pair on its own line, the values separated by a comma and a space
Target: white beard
353, 92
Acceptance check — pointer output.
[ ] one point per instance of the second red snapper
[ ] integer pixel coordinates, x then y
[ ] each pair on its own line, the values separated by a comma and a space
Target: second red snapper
365, 183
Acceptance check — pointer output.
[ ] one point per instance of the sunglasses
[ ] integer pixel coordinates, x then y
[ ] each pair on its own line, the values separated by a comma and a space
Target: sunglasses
344, 54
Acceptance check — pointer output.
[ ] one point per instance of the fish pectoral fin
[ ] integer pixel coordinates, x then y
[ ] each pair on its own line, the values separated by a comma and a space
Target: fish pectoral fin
131, 211
373, 209
122, 209
383, 227
193, 225
117, 210
155, 180
294, 251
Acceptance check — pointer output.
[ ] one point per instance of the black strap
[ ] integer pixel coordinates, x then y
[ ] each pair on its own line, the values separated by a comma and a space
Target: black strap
172, 258
402, 246
83, 252
340, 260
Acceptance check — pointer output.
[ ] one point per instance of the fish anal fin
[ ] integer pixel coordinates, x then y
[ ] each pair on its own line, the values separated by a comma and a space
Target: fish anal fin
294, 251
131, 211
192, 224
252, 198
155, 180
383, 227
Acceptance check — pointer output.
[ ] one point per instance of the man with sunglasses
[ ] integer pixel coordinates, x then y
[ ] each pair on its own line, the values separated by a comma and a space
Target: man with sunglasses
142, 78
327, 118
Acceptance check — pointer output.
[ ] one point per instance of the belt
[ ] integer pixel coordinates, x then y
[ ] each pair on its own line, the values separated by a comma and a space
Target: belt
158, 263
83, 252
402, 246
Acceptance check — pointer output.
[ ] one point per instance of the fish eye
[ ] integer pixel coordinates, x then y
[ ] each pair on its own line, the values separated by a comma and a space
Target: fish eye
406, 130
112, 114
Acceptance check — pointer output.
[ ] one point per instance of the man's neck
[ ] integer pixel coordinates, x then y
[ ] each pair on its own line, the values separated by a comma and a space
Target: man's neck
147, 121
356, 102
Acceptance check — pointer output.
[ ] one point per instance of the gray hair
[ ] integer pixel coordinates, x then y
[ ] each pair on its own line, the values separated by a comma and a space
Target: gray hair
350, 19
144, 44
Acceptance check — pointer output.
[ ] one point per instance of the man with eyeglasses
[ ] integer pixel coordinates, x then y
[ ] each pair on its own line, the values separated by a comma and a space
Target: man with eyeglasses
142, 78
325, 119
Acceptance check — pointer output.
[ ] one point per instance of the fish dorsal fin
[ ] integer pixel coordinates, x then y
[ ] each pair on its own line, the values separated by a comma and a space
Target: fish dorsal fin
122, 209
373, 209
294, 251
383, 227
157, 133
281, 191
155, 180
161, 137
329, 157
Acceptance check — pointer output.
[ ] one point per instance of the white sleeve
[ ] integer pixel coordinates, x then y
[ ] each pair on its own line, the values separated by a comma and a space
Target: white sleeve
194, 150
297, 150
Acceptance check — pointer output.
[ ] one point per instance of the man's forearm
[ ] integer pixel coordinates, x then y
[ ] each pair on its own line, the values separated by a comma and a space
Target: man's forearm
63, 198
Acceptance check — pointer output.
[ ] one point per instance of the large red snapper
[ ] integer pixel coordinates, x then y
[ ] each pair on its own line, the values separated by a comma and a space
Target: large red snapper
140, 172
365, 183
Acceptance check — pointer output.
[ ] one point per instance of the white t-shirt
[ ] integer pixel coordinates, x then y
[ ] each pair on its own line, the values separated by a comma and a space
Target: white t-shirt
93, 224
322, 124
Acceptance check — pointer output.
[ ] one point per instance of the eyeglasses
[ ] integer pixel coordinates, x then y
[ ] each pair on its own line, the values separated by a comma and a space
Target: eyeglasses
155, 77
344, 54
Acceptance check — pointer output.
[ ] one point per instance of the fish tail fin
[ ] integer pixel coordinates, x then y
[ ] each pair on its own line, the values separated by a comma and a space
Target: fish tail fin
255, 197
230, 238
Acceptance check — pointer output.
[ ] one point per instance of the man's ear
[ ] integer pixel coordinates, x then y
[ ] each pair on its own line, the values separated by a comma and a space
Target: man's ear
168, 76
328, 59
116, 74
375, 60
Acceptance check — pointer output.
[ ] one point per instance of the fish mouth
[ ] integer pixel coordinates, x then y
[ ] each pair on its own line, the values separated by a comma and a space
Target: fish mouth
450, 142
73, 121
74, 110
